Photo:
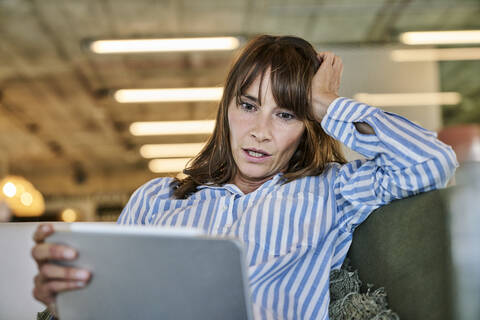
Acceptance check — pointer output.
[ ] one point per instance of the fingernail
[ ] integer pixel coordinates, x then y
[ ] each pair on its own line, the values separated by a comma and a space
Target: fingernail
69, 254
82, 274
80, 284
45, 228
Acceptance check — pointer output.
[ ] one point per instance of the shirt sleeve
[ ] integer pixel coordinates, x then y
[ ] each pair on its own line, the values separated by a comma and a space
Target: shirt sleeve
140, 203
403, 159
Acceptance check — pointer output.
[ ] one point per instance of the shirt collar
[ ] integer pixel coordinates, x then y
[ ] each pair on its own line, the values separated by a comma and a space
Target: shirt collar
232, 188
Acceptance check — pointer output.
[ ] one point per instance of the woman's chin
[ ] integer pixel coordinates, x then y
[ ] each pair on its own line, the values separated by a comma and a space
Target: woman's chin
255, 173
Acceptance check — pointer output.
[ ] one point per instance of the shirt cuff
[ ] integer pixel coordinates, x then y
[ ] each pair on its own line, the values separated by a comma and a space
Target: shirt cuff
348, 110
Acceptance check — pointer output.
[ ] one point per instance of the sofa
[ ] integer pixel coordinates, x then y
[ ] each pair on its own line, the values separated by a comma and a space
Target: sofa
425, 251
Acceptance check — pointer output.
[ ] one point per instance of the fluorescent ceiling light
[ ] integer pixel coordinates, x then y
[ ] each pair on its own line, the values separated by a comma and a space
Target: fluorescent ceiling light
171, 150
441, 37
172, 127
168, 95
164, 45
409, 99
435, 54
168, 165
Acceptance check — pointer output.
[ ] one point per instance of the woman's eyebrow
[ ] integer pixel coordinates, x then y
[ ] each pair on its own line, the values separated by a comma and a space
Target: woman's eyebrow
250, 97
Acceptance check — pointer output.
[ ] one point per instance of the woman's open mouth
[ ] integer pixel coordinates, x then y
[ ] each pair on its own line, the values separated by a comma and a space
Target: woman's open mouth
256, 155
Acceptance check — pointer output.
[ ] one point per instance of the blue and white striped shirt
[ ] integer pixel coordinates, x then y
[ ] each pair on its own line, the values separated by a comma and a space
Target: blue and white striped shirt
294, 234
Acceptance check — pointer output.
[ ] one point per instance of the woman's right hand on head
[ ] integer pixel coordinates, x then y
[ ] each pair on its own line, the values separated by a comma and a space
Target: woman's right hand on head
326, 83
53, 278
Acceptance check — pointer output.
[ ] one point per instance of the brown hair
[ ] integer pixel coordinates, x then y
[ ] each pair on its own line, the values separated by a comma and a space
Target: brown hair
292, 62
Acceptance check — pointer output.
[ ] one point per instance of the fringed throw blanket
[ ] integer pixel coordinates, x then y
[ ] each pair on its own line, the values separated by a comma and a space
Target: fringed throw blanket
348, 303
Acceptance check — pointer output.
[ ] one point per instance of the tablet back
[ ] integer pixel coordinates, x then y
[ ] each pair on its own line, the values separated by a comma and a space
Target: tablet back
139, 276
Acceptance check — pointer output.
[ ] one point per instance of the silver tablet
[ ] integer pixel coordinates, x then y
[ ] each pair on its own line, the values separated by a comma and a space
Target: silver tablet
154, 273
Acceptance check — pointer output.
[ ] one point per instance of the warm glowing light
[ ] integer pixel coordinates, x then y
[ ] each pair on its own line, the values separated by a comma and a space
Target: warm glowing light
449, 54
26, 199
171, 150
172, 127
167, 95
21, 197
441, 37
168, 165
164, 45
69, 215
409, 99
9, 190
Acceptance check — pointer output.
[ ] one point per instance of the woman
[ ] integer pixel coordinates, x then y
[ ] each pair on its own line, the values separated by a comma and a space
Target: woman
273, 175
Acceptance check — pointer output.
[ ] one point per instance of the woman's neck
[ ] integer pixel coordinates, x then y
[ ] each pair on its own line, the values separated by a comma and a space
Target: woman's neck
246, 184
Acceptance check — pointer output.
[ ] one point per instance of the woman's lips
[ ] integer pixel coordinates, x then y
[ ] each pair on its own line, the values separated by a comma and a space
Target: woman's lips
255, 155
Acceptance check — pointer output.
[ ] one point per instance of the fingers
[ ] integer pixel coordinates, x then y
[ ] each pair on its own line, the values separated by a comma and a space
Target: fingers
330, 59
46, 292
42, 231
49, 251
337, 62
53, 271
330, 69
41, 294
53, 279
338, 69
326, 83
327, 57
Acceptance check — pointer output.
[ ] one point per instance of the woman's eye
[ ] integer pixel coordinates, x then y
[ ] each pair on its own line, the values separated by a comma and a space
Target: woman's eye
286, 116
247, 106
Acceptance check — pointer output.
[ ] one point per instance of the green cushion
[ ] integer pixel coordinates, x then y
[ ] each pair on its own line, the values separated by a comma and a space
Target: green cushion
405, 247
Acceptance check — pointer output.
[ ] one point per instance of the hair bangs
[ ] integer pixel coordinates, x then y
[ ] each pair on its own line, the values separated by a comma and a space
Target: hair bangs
256, 67
293, 67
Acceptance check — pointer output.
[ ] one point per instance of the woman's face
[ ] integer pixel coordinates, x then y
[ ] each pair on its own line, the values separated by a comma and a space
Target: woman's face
263, 137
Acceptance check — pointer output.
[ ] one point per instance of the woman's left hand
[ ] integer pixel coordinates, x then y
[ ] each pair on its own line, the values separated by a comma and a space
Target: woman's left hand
325, 83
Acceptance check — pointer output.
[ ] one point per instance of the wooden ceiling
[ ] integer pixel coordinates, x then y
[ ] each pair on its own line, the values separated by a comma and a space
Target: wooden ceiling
60, 128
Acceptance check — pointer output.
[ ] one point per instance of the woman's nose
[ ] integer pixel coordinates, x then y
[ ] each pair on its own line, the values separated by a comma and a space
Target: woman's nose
261, 129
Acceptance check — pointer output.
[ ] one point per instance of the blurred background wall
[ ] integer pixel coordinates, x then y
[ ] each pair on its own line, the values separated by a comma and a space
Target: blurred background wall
68, 150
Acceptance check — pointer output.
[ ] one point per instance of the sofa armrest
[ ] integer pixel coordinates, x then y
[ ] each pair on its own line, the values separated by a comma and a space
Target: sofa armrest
405, 247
